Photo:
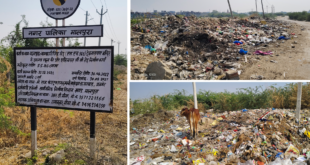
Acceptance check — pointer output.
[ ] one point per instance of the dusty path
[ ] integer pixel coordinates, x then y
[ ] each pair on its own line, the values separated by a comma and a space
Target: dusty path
292, 63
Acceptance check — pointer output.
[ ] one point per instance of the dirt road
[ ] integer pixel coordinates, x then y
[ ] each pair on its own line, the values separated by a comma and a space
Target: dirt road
291, 63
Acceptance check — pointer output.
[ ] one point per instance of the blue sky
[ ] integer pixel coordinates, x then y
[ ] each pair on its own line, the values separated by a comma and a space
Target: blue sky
220, 5
143, 90
11, 11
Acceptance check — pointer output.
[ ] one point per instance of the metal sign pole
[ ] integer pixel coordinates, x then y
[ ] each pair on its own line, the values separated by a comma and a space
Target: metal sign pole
33, 116
93, 135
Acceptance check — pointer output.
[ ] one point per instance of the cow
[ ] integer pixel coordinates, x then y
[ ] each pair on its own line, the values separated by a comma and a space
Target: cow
192, 115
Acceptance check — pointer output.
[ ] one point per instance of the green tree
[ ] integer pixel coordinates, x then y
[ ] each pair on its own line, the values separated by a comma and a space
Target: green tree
120, 59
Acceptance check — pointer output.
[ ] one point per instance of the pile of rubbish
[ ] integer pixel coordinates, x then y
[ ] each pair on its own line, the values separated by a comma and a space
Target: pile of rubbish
202, 48
245, 137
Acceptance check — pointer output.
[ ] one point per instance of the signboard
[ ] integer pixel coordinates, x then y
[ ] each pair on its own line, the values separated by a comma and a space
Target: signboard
63, 32
60, 9
77, 78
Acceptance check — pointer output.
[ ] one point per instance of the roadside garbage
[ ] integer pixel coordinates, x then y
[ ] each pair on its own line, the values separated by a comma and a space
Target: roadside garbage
258, 52
245, 137
175, 48
243, 52
283, 38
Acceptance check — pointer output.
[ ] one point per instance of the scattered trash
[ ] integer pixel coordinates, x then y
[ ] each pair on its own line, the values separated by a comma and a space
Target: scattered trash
245, 137
202, 48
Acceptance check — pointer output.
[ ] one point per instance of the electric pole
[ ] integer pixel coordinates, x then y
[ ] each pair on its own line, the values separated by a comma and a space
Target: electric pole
126, 52
267, 8
112, 41
230, 8
195, 96
118, 46
101, 19
298, 105
263, 9
256, 6
86, 25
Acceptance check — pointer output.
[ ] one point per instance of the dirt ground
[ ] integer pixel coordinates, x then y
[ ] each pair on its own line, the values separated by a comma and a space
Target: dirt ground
293, 63
58, 128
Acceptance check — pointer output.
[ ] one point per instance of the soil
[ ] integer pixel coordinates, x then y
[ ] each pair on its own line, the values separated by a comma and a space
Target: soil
293, 63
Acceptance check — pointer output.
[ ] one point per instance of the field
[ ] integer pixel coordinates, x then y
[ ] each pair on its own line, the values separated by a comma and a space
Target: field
59, 129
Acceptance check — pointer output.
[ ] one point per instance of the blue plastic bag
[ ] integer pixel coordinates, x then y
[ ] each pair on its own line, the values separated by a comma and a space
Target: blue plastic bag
236, 42
148, 47
243, 52
283, 38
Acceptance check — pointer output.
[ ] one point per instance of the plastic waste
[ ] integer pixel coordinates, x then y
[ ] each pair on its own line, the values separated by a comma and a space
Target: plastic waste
173, 149
258, 52
238, 42
249, 162
283, 38
243, 52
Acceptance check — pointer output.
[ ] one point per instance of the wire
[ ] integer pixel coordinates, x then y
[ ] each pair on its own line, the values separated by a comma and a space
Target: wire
82, 9
94, 20
101, 2
110, 27
110, 18
93, 4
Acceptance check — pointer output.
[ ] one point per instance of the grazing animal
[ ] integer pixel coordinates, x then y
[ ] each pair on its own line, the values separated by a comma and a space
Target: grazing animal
192, 115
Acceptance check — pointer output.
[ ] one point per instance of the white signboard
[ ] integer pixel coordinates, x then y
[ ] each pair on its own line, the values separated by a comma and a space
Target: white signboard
60, 9
63, 32
69, 78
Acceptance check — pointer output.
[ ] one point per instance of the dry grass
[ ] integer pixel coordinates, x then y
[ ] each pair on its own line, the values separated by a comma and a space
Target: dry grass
70, 127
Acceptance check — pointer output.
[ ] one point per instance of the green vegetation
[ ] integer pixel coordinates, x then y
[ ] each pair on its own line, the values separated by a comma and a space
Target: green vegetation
300, 16
217, 14
135, 21
79, 162
120, 59
33, 160
250, 98
61, 146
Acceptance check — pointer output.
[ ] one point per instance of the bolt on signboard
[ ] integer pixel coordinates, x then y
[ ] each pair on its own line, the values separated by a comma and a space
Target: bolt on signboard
76, 78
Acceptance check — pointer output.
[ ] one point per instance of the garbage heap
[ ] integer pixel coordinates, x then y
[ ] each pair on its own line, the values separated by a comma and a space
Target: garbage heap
175, 48
247, 137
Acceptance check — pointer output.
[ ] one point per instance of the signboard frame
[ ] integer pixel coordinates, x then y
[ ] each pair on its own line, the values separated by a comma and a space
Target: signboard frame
59, 48
55, 27
41, 1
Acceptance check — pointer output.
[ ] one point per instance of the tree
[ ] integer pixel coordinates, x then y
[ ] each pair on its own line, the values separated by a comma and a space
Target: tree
120, 60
